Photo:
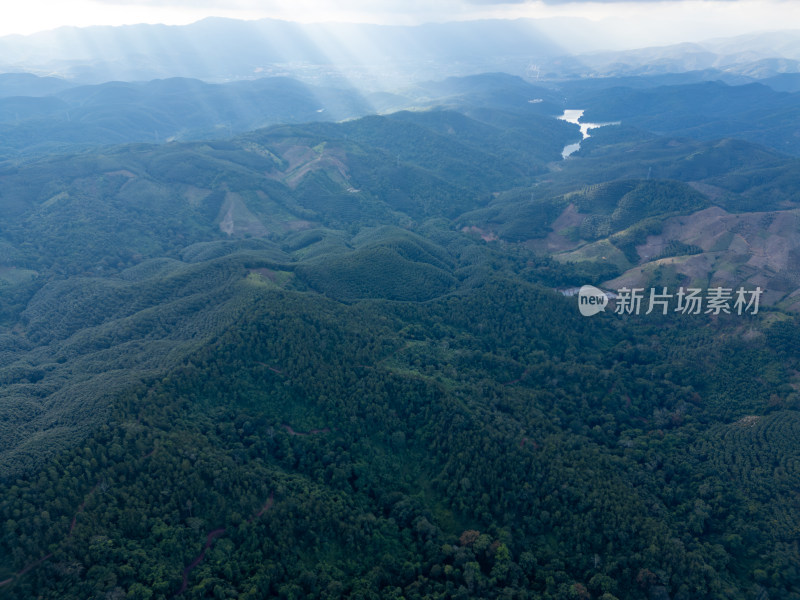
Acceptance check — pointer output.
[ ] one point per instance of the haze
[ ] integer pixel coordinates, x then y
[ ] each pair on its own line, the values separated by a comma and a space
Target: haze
625, 24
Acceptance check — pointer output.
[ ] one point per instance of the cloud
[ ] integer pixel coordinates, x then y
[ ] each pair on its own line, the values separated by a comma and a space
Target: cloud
200, 4
554, 2
496, 2
663, 20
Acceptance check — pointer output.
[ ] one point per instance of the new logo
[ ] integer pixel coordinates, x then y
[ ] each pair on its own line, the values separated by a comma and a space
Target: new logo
591, 300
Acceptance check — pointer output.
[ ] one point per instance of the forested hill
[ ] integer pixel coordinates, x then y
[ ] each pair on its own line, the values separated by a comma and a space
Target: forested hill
40, 116
122, 262
329, 360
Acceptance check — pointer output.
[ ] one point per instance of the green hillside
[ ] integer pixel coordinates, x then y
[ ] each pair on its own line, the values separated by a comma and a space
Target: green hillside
331, 360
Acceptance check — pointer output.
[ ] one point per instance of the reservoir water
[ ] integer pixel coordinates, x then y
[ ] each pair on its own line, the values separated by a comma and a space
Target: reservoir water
574, 116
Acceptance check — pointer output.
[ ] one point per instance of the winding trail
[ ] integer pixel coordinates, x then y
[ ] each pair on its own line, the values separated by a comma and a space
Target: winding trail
525, 373
33, 565
271, 368
218, 532
267, 506
212, 535
269, 503
196, 561
210, 540
72, 524
312, 432
80, 510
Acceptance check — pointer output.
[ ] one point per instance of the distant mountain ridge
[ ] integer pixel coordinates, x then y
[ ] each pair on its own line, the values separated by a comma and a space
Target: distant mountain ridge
54, 116
245, 49
374, 57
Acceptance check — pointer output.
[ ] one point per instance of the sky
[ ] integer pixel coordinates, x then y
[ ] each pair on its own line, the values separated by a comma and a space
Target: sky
662, 21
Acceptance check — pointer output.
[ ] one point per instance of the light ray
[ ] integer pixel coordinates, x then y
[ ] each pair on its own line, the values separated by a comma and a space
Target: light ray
667, 20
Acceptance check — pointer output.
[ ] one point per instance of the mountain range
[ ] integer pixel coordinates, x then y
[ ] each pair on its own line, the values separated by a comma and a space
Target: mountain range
381, 57
269, 328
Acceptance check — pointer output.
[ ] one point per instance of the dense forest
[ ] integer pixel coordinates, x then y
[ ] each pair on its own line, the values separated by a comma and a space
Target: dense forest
491, 444
333, 360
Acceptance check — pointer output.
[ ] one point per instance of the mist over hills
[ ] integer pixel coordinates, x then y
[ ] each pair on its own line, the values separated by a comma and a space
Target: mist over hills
81, 117
754, 56
373, 57
222, 49
45, 115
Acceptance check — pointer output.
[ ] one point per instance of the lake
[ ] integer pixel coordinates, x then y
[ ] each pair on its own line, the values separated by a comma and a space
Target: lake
574, 116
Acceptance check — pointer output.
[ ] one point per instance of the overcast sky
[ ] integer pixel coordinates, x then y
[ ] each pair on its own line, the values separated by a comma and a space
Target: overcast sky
662, 21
